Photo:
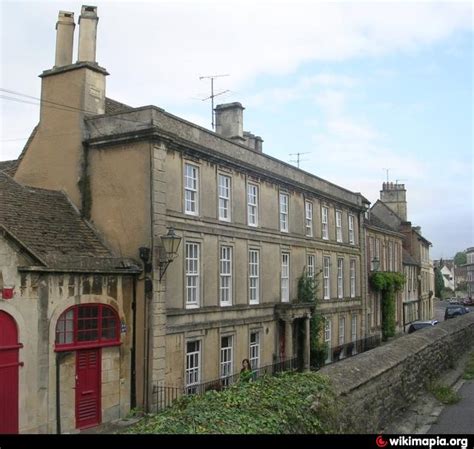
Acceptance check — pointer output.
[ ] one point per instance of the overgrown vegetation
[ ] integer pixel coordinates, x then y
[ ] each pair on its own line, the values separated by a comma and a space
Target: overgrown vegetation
444, 393
439, 282
469, 369
307, 293
287, 403
388, 283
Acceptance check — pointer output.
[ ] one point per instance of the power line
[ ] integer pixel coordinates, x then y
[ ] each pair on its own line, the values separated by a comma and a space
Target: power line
212, 77
298, 160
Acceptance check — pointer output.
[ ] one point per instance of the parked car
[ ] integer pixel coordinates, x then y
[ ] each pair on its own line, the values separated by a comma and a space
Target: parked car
416, 325
454, 311
468, 302
454, 301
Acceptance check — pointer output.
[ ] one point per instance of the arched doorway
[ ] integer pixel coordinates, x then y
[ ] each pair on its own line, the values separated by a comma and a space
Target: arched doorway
9, 365
86, 329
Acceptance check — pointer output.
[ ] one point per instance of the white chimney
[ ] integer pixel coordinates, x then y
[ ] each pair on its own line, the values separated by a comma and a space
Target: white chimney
64, 38
87, 34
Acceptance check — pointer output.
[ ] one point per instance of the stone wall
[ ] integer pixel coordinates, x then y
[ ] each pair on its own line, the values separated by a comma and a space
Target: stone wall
375, 387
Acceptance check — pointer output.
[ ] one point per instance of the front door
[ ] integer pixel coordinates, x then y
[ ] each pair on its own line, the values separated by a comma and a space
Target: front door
88, 382
9, 364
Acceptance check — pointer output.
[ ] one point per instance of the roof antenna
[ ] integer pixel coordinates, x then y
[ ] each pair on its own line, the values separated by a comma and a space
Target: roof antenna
386, 170
212, 77
298, 160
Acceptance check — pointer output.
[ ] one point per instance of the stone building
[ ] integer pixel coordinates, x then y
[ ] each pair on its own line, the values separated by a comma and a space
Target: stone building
66, 319
392, 210
249, 225
470, 271
384, 252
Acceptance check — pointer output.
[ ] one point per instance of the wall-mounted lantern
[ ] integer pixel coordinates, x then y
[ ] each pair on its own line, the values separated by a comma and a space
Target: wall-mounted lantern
171, 243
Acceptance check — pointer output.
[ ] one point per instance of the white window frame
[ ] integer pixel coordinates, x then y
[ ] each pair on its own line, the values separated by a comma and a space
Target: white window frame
328, 337
308, 208
352, 278
284, 211
285, 277
338, 226
224, 193
326, 277
351, 230
226, 368
324, 222
342, 335
192, 274
354, 328
193, 367
254, 276
252, 204
254, 350
191, 189
225, 276
311, 265
340, 277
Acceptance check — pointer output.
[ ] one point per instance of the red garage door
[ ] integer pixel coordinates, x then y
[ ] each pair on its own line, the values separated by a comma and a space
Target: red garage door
9, 364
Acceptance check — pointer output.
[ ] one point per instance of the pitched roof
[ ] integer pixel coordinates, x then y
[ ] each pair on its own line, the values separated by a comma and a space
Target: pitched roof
51, 229
373, 220
113, 107
408, 259
9, 167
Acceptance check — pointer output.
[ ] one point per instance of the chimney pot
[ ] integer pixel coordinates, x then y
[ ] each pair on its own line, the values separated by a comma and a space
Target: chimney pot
87, 34
64, 38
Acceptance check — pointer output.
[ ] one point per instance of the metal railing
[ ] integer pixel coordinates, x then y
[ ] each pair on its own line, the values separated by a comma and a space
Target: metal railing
352, 348
164, 395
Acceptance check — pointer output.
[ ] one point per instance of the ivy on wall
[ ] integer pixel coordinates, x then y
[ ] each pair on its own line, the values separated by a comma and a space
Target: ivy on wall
307, 290
388, 284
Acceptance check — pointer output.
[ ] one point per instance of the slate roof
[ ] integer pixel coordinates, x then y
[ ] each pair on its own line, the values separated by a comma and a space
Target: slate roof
9, 167
408, 259
375, 221
51, 229
113, 107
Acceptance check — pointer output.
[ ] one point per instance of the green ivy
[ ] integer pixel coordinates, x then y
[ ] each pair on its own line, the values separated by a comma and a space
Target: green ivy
288, 403
307, 293
388, 283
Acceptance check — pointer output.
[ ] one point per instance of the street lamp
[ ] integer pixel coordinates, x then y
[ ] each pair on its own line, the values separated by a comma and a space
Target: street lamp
171, 243
375, 264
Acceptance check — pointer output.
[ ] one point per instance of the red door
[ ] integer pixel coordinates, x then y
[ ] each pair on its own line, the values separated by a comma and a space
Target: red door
88, 381
9, 363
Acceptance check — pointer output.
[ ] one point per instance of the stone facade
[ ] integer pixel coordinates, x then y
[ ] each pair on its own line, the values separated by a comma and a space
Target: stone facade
470, 272
39, 299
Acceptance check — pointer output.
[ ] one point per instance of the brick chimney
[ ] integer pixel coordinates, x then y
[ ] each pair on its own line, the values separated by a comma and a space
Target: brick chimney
64, 38
87, 34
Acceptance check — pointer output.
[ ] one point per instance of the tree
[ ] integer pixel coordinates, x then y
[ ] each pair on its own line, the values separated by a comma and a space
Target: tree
439, 282
460, 258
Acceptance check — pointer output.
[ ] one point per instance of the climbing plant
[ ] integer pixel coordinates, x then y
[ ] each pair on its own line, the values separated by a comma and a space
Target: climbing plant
388, 284
307, 293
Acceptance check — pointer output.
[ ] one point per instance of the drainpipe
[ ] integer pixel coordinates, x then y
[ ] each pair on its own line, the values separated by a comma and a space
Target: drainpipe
58, 394
133, 391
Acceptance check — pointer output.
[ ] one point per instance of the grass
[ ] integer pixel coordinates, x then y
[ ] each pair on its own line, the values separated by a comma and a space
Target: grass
469, 369
444, 394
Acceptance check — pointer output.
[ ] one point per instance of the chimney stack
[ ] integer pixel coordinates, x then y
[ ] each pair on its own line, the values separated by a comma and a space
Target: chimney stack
229, 121
253, 142
87, 34
64, 38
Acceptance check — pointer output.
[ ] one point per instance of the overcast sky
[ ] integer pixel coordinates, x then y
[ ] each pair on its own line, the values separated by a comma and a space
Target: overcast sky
357, 87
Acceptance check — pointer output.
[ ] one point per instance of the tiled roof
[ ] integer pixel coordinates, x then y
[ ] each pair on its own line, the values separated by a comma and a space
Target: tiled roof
375, 221
51, 229
113, 107
9, 167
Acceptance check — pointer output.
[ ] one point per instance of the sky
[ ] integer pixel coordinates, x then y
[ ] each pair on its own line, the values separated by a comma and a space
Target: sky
364, 91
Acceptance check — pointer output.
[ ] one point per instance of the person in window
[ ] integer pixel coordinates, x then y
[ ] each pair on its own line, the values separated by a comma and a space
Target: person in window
246, 371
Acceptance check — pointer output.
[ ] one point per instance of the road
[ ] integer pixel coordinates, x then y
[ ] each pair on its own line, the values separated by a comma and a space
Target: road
457, 418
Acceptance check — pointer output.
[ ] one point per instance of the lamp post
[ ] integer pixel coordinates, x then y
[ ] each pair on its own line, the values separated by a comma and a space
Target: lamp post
170, 243
375, 264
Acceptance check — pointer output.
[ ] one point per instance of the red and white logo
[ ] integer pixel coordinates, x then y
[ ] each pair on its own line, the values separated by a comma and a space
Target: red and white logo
380, 441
